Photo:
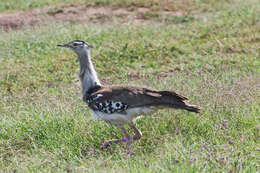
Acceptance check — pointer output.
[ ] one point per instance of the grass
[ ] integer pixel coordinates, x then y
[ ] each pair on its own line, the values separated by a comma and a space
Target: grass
171, 5
213, 59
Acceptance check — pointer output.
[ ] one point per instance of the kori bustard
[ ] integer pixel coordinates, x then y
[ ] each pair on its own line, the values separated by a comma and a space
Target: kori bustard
120, 105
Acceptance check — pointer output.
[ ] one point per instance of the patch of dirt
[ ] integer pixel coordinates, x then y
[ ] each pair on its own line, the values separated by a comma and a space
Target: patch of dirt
80, 13
16, 19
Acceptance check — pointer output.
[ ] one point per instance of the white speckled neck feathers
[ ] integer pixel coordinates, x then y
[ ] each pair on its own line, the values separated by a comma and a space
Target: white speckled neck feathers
87, 75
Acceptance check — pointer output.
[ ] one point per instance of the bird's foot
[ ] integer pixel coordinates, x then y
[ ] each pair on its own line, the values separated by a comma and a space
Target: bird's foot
110, 142
129, 146
128, 152
106, 144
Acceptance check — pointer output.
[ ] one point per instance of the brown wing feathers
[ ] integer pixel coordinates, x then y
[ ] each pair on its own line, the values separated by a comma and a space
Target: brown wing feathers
178, 101
174, 100
139, 97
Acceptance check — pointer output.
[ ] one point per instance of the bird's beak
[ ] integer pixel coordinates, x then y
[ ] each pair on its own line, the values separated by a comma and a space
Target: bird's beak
90, 46
63, 45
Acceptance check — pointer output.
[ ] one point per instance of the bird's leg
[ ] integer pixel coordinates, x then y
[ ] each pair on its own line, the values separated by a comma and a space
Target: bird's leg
124, 139
129, 140
138, 133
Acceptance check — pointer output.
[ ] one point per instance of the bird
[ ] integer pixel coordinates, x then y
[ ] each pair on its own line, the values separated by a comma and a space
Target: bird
120, 105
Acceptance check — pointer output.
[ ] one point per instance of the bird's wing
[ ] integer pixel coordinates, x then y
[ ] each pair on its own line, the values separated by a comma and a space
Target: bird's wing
120, 98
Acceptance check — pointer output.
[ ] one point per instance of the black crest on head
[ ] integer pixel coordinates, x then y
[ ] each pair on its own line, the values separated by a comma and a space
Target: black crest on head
80, 42
77, 42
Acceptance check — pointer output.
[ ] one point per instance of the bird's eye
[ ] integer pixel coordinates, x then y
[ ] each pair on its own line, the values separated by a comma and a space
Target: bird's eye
75, 44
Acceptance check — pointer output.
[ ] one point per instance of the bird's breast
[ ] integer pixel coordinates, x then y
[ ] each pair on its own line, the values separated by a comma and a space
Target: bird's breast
121, 117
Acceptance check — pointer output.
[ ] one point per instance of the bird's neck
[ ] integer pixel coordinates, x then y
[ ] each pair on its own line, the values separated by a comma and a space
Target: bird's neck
87, 75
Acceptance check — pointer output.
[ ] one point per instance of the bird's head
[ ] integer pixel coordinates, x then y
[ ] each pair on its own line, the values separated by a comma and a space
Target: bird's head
78, 46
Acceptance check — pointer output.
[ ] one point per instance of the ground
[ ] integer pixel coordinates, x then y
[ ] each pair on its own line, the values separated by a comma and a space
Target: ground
205, 50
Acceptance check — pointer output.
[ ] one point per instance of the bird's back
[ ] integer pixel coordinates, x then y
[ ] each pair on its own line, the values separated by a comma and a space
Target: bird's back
131, 100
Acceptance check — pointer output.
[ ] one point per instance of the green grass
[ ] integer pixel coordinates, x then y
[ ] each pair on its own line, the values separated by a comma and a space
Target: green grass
212, 58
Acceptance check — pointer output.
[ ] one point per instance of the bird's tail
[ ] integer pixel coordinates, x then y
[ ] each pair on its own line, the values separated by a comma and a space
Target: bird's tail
191, 108
174, 100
